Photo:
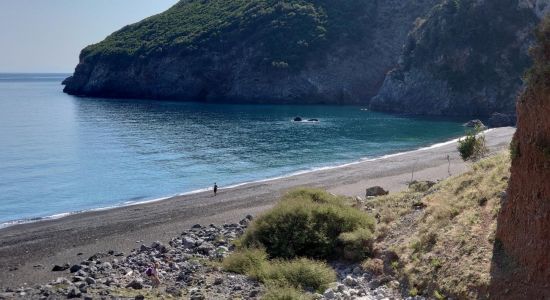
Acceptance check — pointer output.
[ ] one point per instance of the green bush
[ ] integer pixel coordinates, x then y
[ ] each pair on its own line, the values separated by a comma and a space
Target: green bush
284, 293
310, 223
357, 244
473, 146
246, 261
298, 273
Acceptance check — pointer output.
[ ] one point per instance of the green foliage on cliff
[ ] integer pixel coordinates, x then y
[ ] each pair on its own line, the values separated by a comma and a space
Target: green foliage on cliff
284, 30
539, 74
471, 44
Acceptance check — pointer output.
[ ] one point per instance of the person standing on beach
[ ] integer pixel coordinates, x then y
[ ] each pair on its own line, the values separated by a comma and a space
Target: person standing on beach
215, 189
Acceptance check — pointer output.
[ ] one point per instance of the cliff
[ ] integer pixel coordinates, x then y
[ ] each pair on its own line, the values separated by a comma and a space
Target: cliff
465, 58
521, 259
295, 51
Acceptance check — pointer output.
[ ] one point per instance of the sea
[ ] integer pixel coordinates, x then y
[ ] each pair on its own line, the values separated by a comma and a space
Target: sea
61, 154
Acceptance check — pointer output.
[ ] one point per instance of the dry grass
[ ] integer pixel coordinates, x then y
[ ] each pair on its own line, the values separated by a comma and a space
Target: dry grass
444, 235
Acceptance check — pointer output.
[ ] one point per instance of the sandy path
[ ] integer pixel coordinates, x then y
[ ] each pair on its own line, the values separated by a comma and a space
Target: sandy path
59, 241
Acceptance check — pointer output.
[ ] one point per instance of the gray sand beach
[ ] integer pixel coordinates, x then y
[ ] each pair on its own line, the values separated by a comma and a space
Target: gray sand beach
28, 251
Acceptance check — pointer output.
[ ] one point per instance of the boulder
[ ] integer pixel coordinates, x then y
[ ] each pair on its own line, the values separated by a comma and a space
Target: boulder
58, 268
74, 293
135, 284
297, 119
313, 120
474, 123
75, 268
376, 191
329, 294
188, 242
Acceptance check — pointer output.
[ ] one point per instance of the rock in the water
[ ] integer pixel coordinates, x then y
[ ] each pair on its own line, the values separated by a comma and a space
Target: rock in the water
297, 119
313, 120
376, 191
58, 268
474, 123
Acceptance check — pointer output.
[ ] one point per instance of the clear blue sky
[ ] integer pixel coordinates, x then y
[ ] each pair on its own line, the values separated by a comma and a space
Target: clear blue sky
47, 35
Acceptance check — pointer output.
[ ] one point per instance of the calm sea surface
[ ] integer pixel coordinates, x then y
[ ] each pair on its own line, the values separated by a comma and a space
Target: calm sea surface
60, 153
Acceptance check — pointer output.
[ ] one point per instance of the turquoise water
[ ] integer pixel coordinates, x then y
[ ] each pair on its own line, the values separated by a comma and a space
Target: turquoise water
60, 153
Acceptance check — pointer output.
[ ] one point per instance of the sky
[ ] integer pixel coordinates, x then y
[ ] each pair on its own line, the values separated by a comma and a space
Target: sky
47, 35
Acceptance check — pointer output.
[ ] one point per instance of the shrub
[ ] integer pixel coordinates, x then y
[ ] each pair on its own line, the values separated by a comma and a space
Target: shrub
298, 273
473, 146
374, 266
310, 223
246, 261
284, 293
357, 244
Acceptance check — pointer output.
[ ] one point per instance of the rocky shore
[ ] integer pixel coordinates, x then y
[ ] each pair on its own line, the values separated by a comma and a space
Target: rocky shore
189, 267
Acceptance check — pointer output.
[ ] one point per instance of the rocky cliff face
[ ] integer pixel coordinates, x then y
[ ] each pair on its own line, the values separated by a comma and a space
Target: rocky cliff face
521, 260
313, 51
465, 58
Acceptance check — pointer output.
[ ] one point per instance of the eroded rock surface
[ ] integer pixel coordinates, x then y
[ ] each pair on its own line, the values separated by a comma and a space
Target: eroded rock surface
521, 260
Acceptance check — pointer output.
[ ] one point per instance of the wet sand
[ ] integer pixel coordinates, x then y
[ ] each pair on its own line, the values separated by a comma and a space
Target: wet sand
34, 248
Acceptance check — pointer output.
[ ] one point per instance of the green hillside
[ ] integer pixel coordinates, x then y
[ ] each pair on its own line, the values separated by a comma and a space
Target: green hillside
284, 30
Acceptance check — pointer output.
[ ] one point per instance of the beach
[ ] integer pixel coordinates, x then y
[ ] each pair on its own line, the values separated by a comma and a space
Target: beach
28, 251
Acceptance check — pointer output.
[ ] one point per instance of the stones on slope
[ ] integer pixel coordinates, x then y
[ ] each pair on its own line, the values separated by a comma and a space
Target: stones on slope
136, 284
74, 293
185, 272
75, 268
356, 283
376, 191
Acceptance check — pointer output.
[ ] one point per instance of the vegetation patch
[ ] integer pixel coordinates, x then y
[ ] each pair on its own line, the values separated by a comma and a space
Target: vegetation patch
445, 247
284, 31
473, 146
280, 247
312, 223
300, 273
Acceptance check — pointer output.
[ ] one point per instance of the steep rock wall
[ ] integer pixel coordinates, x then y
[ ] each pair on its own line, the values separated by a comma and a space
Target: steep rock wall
521, 259
465, 58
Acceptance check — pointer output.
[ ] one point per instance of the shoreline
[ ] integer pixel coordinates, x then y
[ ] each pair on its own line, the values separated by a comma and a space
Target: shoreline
28, 251
61, 215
